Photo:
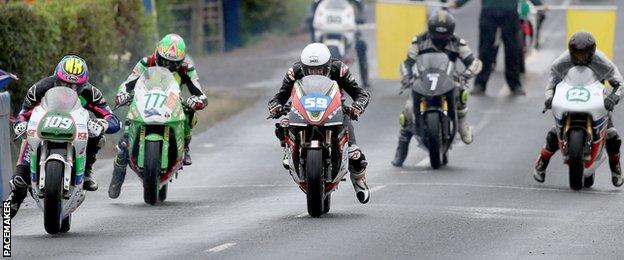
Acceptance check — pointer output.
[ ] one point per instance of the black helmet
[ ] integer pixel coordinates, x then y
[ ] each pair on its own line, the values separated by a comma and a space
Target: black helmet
441, 27
582, 48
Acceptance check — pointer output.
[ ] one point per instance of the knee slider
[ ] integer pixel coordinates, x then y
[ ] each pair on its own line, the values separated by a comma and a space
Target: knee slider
463, 97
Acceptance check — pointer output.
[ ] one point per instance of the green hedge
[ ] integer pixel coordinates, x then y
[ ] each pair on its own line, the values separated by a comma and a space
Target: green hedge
109, 34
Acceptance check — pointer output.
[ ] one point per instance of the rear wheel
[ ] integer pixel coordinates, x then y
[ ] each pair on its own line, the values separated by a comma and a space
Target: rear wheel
162, 194
53, 194
151, 172
434, 139
66, 225
315, 182
576, 140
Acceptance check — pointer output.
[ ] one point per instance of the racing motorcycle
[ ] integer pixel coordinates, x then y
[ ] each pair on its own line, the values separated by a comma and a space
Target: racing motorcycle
335, 26
434, 93
57, 135
315, 140
156, 132
581, 122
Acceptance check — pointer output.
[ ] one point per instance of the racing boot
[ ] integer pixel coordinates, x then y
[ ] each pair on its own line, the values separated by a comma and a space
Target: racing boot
19, 189
539, 173
401, 154
119, 169
465, 131
357, 170
89, 182
616, 170
187, 156
613, 149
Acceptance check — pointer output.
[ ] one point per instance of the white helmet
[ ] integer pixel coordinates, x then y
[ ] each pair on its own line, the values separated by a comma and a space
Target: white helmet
315, 54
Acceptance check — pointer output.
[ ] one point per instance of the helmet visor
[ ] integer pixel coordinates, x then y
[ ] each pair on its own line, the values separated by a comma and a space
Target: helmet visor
581, 56
317, 70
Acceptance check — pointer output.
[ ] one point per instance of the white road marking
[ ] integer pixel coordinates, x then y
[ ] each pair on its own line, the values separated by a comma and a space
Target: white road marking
208, 145
487, 186
302, 215
220, 248
377, 188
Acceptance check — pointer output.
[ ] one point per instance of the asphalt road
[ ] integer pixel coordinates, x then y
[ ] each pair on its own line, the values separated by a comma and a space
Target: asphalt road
237, 202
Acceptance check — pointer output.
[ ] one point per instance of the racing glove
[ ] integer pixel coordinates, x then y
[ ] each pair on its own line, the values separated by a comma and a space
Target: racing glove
275, 110
548, 103
355, 111
122, 98
611, 101
20, 128
197, 102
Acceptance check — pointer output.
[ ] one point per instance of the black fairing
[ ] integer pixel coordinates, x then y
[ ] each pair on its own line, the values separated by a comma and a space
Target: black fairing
434, 74
435, 69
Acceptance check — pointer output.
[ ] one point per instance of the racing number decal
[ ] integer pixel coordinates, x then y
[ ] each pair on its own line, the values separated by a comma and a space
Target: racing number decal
315, 103
433, 77
157, 98
58, 122
578, 94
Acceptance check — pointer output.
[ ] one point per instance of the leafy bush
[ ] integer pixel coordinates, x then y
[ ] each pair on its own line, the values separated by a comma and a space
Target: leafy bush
109, 34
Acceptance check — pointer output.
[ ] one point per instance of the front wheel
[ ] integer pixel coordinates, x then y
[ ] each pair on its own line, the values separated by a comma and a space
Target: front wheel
66, 225
53, 193
576, 141
151, 172
162, 194
315, 183
327, 203
434, 139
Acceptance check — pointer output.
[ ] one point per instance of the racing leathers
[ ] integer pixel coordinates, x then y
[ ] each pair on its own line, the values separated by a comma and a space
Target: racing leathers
339, 72
605, 71
360, 45
185, 75
456, 49
92, 100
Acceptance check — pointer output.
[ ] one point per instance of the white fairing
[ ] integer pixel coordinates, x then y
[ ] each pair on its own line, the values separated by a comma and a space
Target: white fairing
156, 94
580, 92
80, 117
335, 17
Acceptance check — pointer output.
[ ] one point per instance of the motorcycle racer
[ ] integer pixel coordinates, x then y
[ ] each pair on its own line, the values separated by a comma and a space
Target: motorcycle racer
171, 54
71, 72
440, 37
316, 60
582, 52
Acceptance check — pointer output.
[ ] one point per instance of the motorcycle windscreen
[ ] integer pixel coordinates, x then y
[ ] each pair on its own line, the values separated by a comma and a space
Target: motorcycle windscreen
317, 100
60, 99
336, 4
434, 74
157, 78
580, 76
157, 98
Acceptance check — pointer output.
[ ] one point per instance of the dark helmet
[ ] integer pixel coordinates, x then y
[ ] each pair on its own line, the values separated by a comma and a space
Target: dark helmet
441, 27
582, 47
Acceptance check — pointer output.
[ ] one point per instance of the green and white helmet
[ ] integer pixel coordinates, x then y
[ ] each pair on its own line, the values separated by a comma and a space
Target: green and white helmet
171, 51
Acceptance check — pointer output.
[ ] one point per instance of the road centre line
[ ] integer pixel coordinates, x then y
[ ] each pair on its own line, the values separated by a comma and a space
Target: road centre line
220, 248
